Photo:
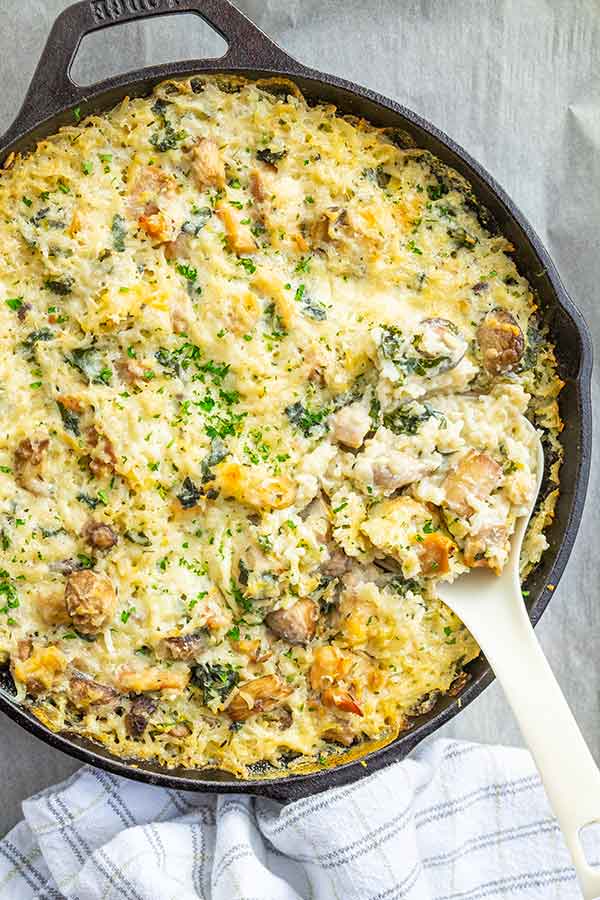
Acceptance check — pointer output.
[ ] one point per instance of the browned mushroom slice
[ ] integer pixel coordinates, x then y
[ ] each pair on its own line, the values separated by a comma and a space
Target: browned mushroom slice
501, 341
208, 168
91, 600
85, 692
29, 459
257, 696
475, 477
136, 720
100, 536
185, 647
297, 623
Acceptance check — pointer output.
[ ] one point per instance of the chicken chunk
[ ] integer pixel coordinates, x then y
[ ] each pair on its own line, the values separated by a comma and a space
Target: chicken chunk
29, 461
296, 624
473, 480
350, 424
153, 679
248, 485
91, 600
42, 670
52, 608
501, 342
487, 549
207, 168
85, 692
239, 237
257, 696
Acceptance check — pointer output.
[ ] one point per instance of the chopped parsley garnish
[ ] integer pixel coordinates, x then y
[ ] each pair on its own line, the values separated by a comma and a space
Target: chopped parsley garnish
14, 303
188, 272
306, 420
216, 680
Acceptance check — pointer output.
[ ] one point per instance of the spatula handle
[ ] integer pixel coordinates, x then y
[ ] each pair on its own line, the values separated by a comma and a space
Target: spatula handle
570, 775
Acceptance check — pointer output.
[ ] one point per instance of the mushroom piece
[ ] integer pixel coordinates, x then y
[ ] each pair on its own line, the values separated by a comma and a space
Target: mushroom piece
100, 536
29, 459
501, 341
257, 696
441, 344
185, 647
91, 600
136, 720
473, 479
85, 692
296, 624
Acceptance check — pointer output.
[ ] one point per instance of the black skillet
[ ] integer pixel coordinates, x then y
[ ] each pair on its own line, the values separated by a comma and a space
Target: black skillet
49, 104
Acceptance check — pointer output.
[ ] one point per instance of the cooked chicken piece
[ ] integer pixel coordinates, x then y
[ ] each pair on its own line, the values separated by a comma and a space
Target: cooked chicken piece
150, 195
501, 341
483, 550
329, 665
296, 624
42, 670
153, 679
350, 424
341, 733
208, 168
473, 479
239, 237
29, 461
85, 692
257, 696
151, 186
136, 720
434, 553
261, 186
255, 488
185, 647
100, 536
104, 458
387, 469
52, 608
91, 600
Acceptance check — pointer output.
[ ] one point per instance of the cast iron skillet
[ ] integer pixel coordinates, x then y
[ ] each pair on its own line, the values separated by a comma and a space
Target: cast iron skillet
48, 105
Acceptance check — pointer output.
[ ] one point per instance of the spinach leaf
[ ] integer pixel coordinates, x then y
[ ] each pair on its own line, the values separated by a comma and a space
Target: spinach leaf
216, 680
119, 233
198, 220
69, 418
60, 286
271, 157
92, 365
189, 493
309, 422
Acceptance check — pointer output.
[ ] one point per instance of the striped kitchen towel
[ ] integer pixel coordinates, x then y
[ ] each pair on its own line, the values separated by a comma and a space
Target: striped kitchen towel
455, 821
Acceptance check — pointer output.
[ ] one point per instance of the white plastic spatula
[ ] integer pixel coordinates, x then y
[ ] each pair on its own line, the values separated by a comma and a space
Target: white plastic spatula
493, 610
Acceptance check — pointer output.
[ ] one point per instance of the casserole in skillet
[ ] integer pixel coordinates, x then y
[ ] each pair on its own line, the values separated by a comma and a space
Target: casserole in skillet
389, 351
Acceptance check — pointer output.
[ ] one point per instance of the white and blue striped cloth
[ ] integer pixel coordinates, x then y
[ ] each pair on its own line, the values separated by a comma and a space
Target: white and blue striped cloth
456, 821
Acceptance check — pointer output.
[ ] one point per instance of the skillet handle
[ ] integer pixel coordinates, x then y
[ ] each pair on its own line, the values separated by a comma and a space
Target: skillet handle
52, 89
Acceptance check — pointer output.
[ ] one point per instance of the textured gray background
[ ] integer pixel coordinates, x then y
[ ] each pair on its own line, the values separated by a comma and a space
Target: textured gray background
518, 85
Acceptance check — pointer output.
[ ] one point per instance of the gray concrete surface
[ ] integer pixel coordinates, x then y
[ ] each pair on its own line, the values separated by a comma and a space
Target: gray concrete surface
517, 84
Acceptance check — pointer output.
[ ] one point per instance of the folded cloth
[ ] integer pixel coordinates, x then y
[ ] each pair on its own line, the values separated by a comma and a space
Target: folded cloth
455, 821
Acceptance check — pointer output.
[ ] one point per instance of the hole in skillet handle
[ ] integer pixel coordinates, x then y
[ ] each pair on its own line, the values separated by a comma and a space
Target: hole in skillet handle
52, 90
109, 53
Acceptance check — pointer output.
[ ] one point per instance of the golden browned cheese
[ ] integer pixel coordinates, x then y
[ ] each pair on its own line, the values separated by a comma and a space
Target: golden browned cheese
263, 376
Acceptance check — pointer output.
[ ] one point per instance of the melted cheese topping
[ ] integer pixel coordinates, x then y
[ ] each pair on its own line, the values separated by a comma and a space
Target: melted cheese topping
263, 375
